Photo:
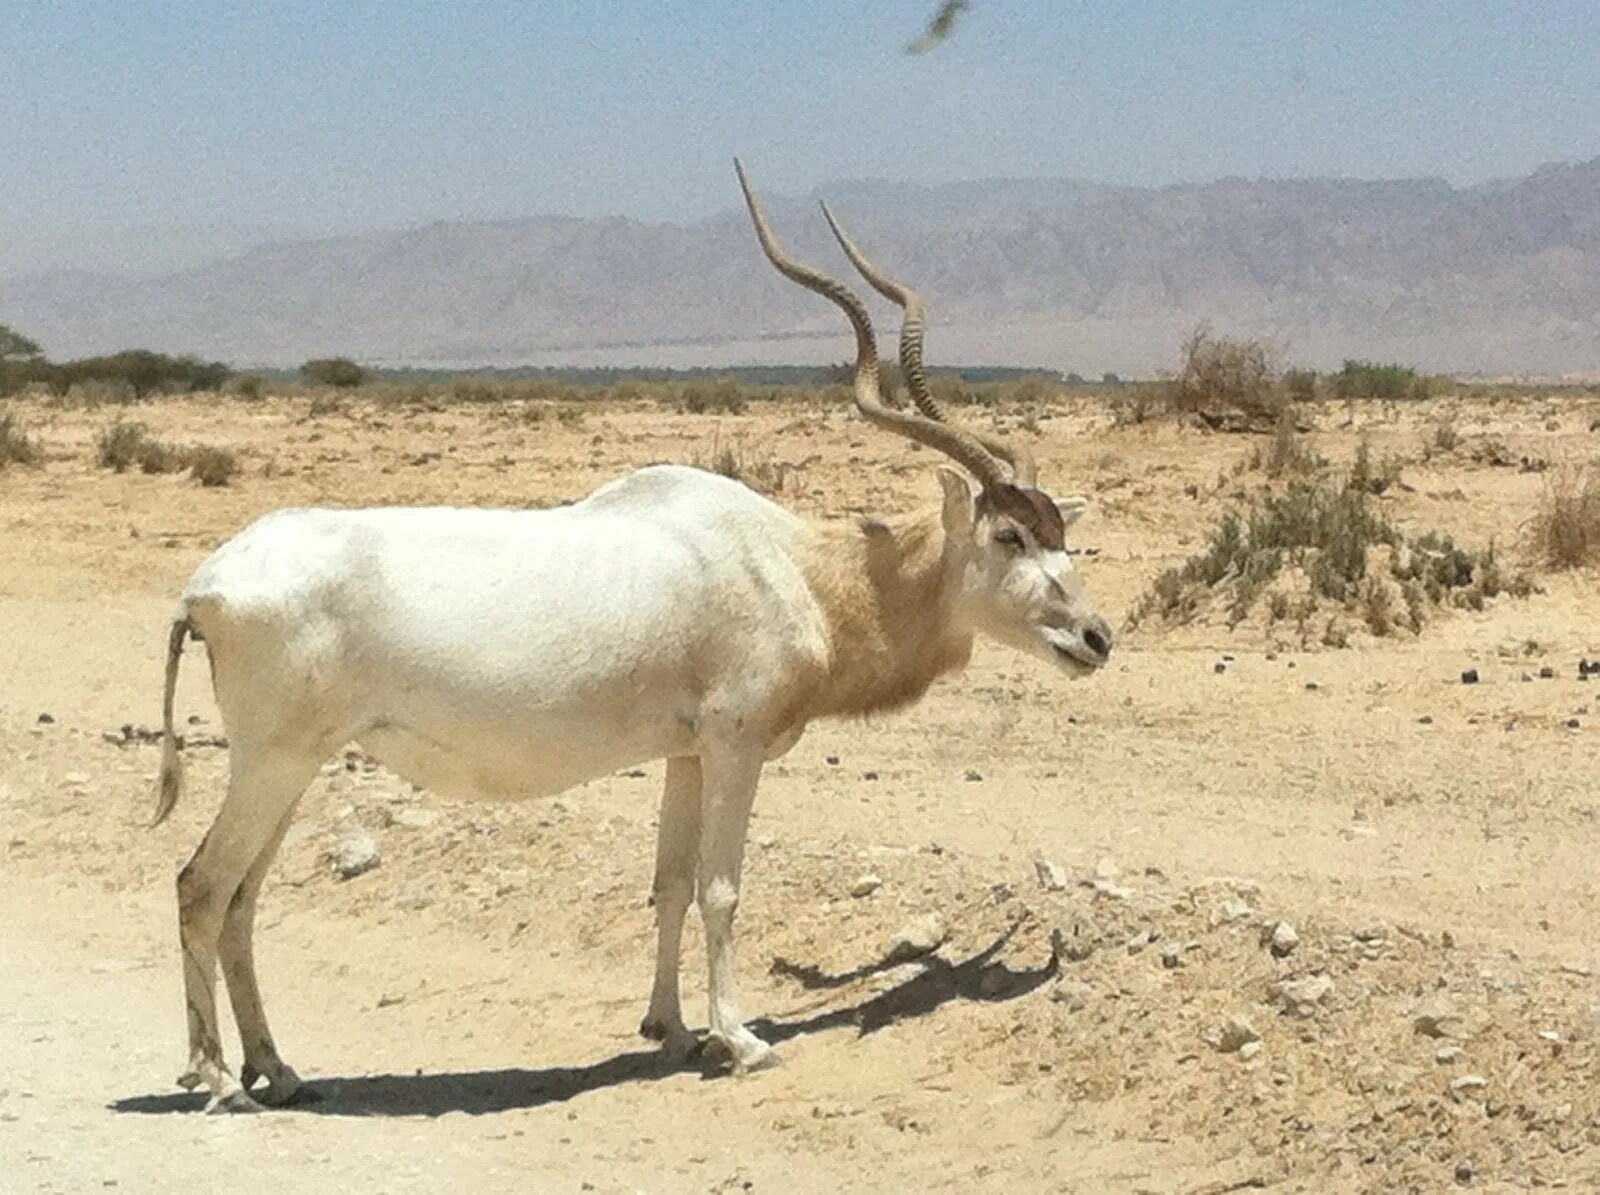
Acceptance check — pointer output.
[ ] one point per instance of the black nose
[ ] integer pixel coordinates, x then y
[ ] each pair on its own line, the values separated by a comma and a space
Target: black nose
1097, 641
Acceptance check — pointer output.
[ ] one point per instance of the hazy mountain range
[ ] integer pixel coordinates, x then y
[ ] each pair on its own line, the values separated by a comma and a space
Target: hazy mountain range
1074, 276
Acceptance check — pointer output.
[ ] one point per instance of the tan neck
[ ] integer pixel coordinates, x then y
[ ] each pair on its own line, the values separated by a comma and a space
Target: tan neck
889, 606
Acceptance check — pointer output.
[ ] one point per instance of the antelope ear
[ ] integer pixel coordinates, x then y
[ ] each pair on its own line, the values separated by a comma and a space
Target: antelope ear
960, 504
1071, 509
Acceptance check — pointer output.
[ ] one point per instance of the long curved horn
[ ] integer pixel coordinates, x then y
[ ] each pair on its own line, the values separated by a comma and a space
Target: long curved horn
1023, 466
953, 442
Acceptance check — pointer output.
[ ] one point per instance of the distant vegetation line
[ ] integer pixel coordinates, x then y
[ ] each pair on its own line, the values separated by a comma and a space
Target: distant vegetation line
805, 376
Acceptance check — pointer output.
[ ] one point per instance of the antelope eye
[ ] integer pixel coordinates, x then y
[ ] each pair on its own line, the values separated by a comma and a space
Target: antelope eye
1011, 538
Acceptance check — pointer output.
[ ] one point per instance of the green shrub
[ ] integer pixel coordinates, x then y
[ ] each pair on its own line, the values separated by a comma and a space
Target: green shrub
1301, 384
340, 372
1328, 529
1368, 379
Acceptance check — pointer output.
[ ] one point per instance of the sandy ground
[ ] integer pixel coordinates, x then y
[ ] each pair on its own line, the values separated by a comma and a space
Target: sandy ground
468, 1009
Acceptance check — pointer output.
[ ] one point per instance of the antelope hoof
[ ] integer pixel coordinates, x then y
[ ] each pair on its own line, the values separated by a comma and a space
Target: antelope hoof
284, 1087
234, 1102
678, 1042
741, 1052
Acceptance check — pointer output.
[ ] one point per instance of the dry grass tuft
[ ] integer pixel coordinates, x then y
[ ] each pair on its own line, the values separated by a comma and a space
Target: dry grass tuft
123, 445
1566, 531
16, 446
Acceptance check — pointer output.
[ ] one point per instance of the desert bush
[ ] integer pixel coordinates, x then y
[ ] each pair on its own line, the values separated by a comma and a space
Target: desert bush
1288, 452
1566, 529
1300, 384
1325, 528
141, 372
123, 445
761, 471
724, 396
16, 446
251, 387
120, 445
1225, 383
340, 372
1369, 379
211, 465
1445, 439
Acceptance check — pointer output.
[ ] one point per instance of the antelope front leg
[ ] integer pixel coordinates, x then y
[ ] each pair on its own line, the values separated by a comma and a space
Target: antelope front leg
676, 843
728, 790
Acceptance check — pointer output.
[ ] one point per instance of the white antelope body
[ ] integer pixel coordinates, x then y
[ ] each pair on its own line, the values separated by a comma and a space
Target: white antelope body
507, 653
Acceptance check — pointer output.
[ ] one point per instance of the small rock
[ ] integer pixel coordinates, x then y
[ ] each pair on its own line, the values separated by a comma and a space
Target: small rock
919, 936
1469, 676
1107, 869
973, 776
76, 777
1249, 1050
1425, 720
1302, 997
1282, 940
1140, 940
869, 775
1052, 876
1448, 1055
1172, 957
1546, 673
1114, 891
1573, 724
1466, 1086
1231, 910
1073, 994
354, 854
832, 761
415, 819
866, 885
46, 719
1233, 1034
1463, 1172
1219, 667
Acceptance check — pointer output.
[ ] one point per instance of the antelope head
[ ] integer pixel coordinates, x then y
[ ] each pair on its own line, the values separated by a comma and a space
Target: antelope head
1004, 537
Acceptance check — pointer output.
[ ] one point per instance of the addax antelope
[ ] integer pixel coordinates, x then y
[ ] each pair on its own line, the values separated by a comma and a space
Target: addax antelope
673, 614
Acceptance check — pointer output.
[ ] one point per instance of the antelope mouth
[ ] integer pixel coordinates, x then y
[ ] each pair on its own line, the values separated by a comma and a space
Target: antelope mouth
1076, 656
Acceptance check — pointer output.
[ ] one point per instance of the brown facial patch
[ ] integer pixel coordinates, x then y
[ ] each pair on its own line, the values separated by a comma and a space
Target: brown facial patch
1032, 508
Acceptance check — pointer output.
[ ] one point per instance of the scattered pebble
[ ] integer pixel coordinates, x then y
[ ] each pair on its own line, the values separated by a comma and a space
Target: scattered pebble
973, 776
1233, 1034
415, 819
1448, 1055
1250, 1049
1469, 676
355, 854
1282, 940
1107, 869
832, 761
1467, 1086
1302, 997
1437, 1020
46, 719
1172, 957
919, 936
866, 885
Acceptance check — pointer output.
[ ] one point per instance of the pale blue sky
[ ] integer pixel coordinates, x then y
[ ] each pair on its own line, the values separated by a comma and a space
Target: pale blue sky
321, 114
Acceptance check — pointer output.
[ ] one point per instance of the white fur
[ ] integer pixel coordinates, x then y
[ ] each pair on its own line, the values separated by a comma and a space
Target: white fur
507, 653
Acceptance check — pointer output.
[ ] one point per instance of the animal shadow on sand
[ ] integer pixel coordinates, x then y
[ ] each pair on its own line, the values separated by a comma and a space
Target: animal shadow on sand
936, 983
